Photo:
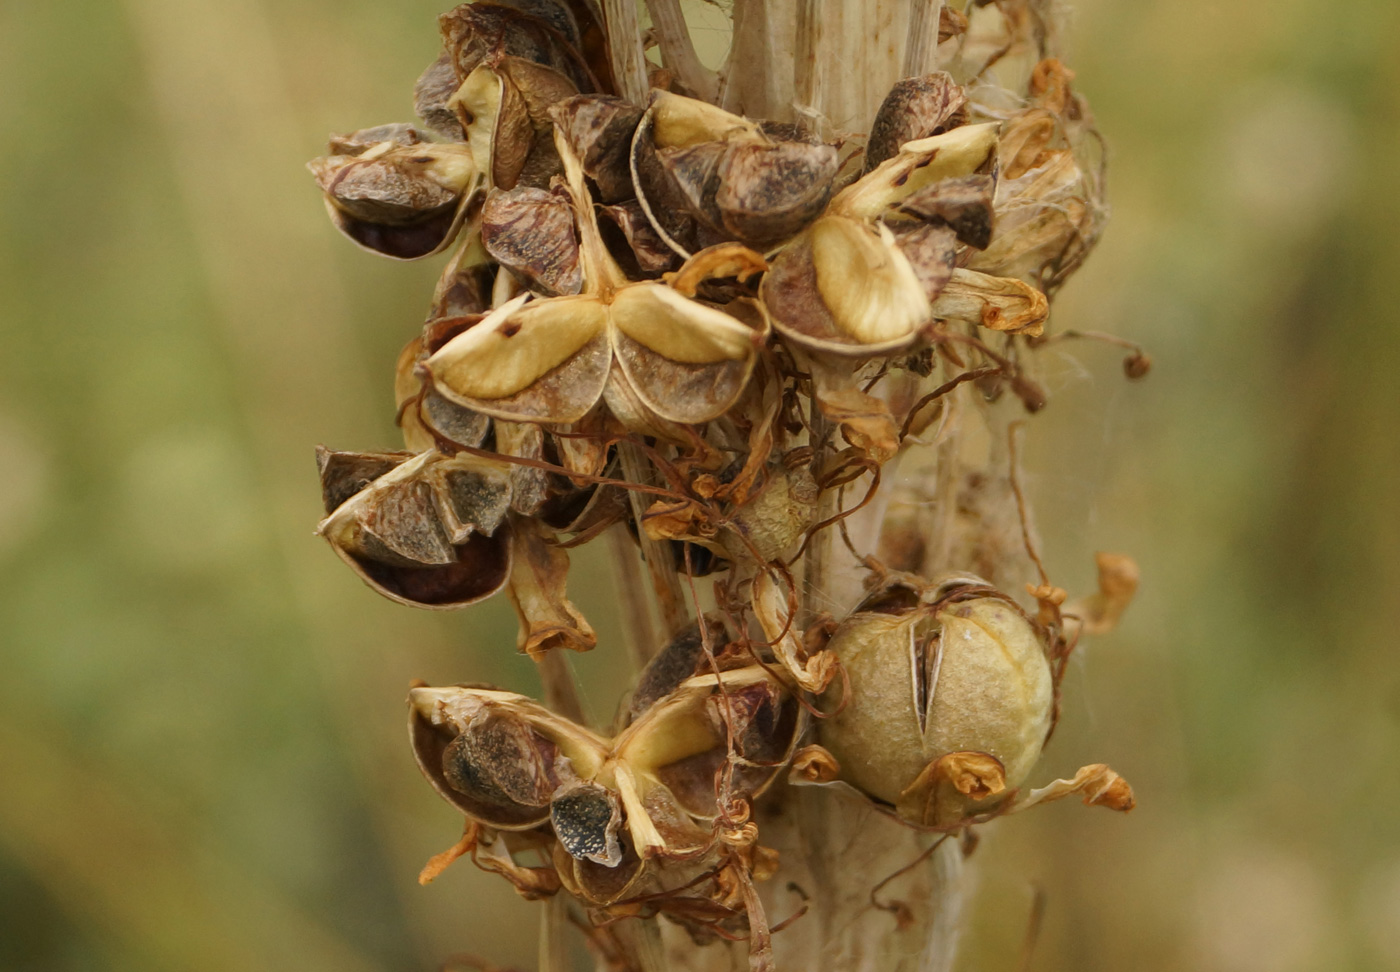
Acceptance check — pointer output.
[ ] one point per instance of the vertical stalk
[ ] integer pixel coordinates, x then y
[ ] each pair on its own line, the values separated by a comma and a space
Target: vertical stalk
677, 49
922, 48
808, 69
639, 633
665, 582
560, 689
625, 49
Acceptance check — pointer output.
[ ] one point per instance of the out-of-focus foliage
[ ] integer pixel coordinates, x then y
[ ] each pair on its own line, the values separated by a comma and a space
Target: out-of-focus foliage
201, 712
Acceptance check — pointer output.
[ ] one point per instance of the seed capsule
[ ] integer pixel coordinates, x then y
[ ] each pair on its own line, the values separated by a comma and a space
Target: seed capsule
424, 530
394, 193
951, 698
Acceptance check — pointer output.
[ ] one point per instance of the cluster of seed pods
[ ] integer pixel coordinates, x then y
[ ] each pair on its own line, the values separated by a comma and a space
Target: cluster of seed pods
702, 329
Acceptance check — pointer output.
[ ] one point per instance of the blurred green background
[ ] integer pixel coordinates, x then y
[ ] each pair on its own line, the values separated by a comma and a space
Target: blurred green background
202, 763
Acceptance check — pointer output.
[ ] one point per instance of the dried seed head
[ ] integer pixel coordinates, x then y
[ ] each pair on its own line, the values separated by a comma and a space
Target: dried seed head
704, 176
938, 671
847, 287
400, 197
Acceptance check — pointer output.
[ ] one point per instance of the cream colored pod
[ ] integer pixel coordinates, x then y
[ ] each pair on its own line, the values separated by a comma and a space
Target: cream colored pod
951, 698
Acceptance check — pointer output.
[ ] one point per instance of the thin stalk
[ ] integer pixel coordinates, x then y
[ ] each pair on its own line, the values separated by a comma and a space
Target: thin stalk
625, 49
554, 944
808, 67
560, 687
665, 581
639, 630
677, 49
922, 49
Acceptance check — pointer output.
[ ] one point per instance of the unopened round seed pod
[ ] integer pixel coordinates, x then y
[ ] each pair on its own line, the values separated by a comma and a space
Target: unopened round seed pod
951, 698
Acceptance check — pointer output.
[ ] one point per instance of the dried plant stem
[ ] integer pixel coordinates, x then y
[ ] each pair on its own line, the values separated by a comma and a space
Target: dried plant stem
677, 49
554, 943
560, 688
625, 49
808, 78
638, 628
665, 582
922, 48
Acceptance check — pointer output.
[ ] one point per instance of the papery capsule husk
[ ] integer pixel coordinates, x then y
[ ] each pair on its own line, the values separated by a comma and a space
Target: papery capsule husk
531, 232
477, 33
599, 128
428, 531
915, 108
548, 619
550, 360
404, 197
431, 94
523, 745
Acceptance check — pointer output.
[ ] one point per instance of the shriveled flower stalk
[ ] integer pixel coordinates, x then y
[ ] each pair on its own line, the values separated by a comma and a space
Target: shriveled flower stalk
770, 331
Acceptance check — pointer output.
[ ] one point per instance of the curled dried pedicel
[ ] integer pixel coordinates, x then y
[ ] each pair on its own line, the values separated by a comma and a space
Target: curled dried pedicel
935, 671
915, 108
425, 530
402, 197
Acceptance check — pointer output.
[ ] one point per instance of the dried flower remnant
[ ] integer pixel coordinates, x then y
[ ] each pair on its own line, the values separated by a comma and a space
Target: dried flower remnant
772, 352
